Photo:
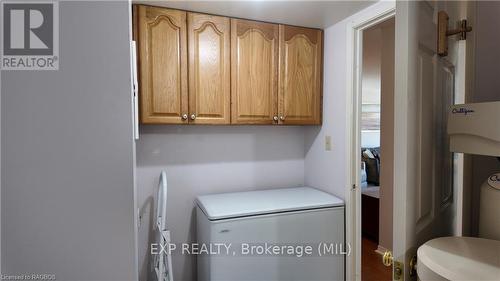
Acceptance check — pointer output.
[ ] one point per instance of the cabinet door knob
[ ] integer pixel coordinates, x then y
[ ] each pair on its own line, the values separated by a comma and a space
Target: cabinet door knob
193, 116
184, 116
275, 118
282, 118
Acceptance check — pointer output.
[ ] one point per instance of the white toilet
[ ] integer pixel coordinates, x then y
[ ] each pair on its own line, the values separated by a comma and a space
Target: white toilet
467, 258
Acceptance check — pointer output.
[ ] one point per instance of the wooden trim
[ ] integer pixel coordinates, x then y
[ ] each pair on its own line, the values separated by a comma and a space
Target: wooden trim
234, 85
442, 28
381, 250
268, 29
321, 82
288, 33
135, 22
281, 73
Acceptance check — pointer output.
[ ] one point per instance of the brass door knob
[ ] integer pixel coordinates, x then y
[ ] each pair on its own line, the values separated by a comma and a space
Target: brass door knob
387, 258
184, 116
398, 268
193, 116
282, 118
275, 118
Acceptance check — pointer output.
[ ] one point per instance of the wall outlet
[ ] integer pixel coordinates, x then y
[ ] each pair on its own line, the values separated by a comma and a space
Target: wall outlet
328, 143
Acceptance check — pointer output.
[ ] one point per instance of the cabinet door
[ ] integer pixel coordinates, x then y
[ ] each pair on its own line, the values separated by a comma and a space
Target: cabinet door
209, 69
254, 71
163, 65
300, 75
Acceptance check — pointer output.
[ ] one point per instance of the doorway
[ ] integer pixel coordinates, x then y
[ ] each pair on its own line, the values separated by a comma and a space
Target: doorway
377, 148
380, 12
424, 206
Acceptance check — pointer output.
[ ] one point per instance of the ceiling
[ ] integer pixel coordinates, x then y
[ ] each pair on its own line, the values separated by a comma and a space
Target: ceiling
319, 14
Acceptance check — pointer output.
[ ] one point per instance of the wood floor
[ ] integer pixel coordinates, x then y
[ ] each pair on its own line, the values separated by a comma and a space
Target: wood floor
372, 268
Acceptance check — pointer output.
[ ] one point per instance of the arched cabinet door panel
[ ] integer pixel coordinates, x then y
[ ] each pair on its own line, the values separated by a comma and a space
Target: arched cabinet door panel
209, 69
300, 75
162, 45
254, 72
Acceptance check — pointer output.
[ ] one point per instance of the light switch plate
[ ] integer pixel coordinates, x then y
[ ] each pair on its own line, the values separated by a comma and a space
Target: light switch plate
328, 143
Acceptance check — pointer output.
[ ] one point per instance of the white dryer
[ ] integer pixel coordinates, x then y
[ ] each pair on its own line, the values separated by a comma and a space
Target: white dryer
268, 232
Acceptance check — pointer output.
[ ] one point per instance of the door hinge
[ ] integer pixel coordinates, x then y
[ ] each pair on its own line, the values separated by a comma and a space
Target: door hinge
412, 269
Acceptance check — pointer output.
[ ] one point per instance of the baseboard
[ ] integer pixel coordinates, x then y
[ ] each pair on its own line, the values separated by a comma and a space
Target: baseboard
380, 250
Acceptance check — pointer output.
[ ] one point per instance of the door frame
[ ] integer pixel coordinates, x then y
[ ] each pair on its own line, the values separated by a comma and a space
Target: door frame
375, 14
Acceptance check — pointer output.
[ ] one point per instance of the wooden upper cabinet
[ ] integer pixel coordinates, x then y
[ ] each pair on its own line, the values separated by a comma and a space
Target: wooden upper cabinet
254, 72
204, 69
300, 75
209, 69
162, 45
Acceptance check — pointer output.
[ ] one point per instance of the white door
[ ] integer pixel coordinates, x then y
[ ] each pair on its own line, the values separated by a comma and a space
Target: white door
424, 205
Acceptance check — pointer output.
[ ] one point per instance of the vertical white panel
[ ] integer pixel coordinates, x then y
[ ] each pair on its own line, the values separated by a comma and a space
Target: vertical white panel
425, 186
444, 158
135, 88
68, 155
422, 167
17, 29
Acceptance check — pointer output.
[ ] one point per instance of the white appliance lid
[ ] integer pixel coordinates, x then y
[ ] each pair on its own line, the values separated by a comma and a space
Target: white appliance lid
241, 204
473, 128
462, 258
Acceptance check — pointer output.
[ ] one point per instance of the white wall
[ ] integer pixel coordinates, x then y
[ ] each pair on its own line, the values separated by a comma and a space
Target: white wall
487, 88
68, 154
372, 56
210, 159
326, 169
